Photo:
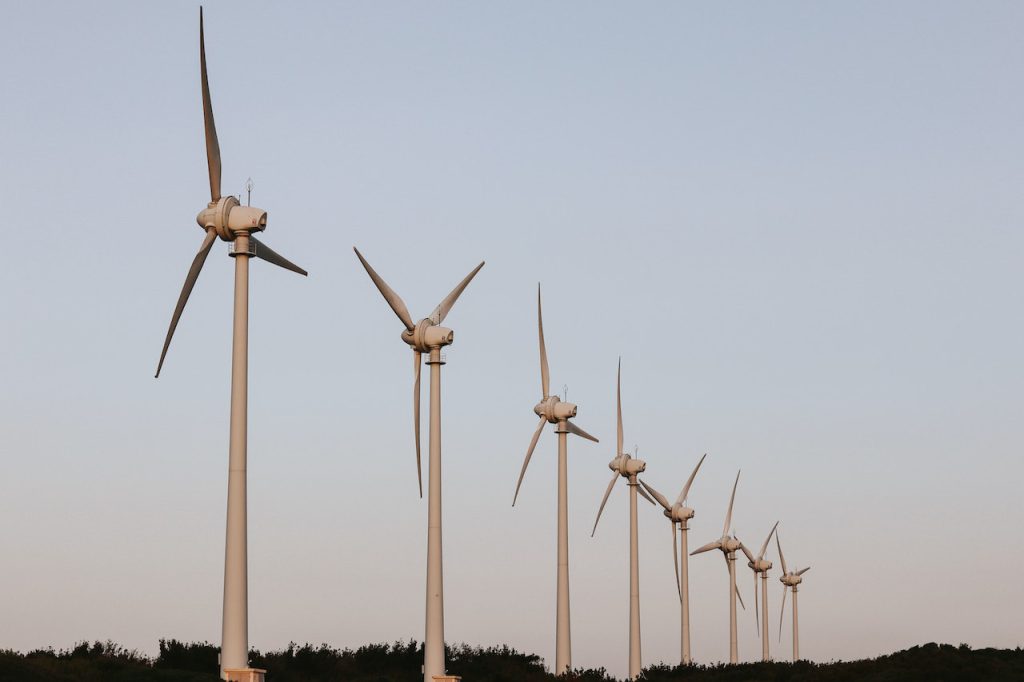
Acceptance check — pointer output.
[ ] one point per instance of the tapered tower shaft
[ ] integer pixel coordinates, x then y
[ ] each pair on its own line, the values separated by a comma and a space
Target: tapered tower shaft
796, 629
733, 648
765, 656
634, 586
433, 641
684, 578
235, 624
563, 642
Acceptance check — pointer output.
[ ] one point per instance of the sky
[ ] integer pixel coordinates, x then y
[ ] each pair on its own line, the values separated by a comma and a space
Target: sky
798, 224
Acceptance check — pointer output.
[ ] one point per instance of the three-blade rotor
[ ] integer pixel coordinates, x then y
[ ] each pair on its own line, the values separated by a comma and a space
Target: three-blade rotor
550, 409
220, 221
420, 337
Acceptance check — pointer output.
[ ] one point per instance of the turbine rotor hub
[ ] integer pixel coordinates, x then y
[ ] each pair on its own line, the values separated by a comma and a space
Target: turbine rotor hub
427, 336
554, 410
680, 513
229, 218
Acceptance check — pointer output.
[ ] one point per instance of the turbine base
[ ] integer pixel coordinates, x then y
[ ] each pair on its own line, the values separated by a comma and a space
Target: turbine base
244, 674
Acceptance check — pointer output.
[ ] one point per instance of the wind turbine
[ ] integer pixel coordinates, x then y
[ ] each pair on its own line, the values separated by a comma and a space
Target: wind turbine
761, 566
551, 409
428, 336
790, 580
224, 217
679, 513
628, 467
728, 545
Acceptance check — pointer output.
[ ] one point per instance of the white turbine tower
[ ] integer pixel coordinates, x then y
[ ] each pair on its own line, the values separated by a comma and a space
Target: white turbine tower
428, 336
790, 580
728, 545
627, 467
760, 566
679, 513
551, 409
224, 217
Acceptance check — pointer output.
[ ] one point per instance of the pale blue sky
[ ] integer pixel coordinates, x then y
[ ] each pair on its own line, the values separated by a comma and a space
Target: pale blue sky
798, 223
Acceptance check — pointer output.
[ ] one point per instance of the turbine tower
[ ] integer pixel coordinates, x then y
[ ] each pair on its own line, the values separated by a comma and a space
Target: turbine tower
428, 336
790, 580
627, 467
679, 513
728, 545
224, 217
761, 566
551, 409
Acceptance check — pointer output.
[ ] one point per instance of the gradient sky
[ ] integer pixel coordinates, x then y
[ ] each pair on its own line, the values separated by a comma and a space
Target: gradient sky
798, 223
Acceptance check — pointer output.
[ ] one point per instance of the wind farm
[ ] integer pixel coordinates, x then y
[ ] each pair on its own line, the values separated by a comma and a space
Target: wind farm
792, 233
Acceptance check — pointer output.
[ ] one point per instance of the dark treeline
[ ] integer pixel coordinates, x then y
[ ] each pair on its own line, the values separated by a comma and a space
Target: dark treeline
400, 662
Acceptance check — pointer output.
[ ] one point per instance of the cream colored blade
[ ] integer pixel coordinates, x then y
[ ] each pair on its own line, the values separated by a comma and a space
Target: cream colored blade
190, 281
782, 557
658, 496
443, 308
212, 145
738, 596
572, 428
266, 253
393, 299
803, 570
675, 559
645, 495
618, 406
544, 379
782, 611
417, 363
708, 547
529, 454
764, 547
686, 488
607, 492
757, 620
746, 553
732, 498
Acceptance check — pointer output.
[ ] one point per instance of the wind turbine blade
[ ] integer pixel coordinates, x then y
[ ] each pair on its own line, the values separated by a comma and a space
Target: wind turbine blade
738, 596
190, 281
675, 560
263, 251
529, 454
618, 404
757, 620
607, 492
803, 570
782, 611
417, 362
572, 428
782, 557
732, 498
746, 553
212, 145
645, 495
544, 379
442, 309
711, 545
764, 547
658, 496
393, 299
686, 488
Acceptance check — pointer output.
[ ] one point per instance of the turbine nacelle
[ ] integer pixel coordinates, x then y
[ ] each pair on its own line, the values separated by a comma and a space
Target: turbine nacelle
730, 545
229, 218
760, 565
554, 410
627, 466
679, 513
790, 579
427, 335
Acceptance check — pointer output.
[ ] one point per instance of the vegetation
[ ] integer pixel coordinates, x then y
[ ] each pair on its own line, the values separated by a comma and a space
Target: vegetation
400, 662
